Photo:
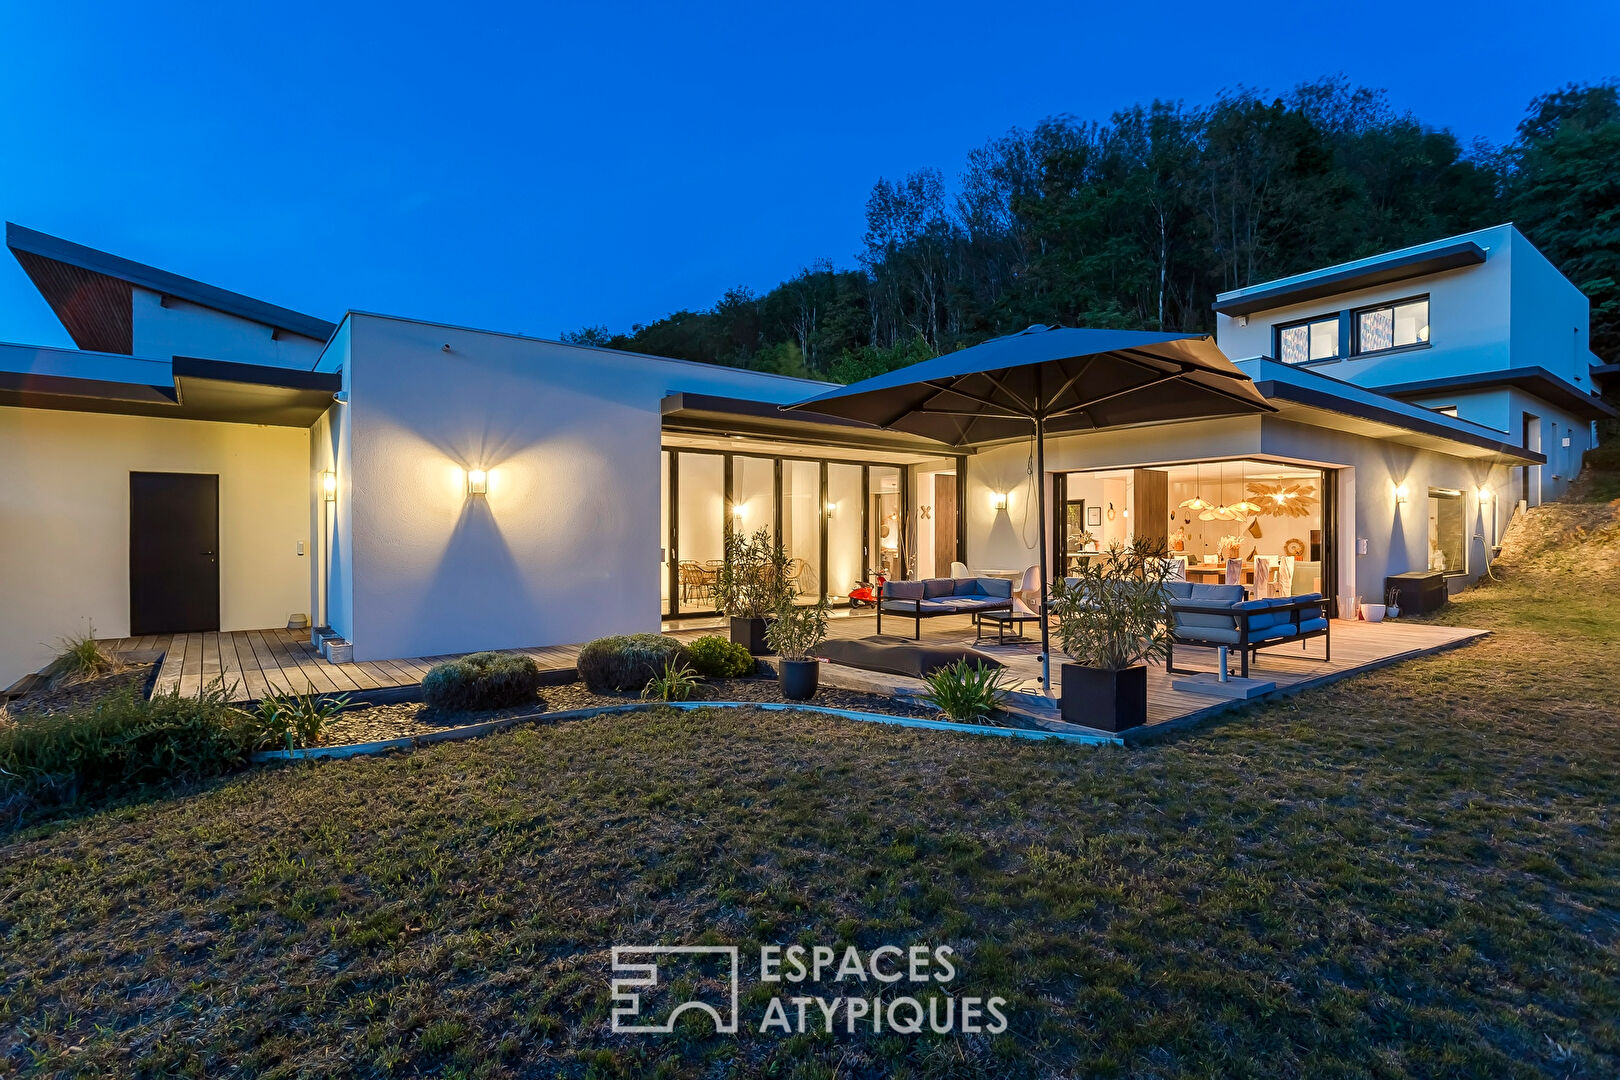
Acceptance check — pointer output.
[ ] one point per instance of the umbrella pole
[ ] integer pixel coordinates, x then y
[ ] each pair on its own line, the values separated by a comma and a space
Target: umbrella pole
1040, 532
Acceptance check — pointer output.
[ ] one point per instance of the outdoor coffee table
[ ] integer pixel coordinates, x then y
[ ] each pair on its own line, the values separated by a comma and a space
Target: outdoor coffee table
1002, 619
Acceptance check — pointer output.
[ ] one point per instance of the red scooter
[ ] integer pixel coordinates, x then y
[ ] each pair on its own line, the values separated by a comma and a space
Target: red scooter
865, 593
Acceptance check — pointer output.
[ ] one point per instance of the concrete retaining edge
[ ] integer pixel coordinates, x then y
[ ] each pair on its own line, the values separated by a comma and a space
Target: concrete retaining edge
473, 731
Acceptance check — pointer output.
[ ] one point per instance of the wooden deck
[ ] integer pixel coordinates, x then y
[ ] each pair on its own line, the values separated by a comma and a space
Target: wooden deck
253, 663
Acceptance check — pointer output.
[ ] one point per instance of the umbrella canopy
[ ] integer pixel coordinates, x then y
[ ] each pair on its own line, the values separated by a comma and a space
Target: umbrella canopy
1044, 380
1072, 380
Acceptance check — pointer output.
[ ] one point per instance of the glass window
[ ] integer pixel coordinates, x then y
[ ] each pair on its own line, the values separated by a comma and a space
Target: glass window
1314, 340
1447, 541
884, 527
753, 494
846, 560
1393, 326
801, 526
700, 510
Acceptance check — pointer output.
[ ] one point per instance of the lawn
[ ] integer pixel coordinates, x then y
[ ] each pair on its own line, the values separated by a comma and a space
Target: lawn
1416, 872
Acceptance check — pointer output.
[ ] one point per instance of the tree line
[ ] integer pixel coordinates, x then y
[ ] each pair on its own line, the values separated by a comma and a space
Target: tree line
1139, 221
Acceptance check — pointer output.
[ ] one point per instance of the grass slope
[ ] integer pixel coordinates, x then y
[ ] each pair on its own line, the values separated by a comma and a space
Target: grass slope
1412, 873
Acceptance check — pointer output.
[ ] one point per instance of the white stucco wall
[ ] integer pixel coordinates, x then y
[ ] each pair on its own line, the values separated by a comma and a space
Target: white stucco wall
64, 522
1470, 321
186, 329
565, 546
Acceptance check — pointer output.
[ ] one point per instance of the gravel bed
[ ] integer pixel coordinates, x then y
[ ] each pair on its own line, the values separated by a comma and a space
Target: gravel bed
370, 723
84, 695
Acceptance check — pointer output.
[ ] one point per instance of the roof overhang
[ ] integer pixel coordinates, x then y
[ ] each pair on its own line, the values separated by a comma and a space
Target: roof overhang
1532, 380
197, 389
1363, 274
713, 414
90, 292
1322, 402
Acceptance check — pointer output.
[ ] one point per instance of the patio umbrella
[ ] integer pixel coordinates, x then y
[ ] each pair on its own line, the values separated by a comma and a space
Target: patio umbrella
1043, 380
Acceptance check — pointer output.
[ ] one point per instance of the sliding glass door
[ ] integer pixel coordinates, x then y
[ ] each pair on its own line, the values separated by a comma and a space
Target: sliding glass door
837, 521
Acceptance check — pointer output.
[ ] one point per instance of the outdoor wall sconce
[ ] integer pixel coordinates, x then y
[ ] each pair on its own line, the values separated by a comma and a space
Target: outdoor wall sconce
477, 482
1484, 494
738, 512
998, 500
1401, 494
832, 508
329, 485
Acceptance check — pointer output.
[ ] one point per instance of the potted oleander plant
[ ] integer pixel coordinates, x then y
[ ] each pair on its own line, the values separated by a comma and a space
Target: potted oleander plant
751, 585
792, 634
1113, 618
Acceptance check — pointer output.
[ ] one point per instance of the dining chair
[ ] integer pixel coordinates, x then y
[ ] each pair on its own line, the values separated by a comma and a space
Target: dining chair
959, 569
1029, 589
1177, 567
1285, 576
1261, 589
1234, 571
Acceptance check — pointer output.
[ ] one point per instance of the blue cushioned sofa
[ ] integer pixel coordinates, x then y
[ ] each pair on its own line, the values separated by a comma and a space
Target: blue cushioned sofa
1215, 615
933, 597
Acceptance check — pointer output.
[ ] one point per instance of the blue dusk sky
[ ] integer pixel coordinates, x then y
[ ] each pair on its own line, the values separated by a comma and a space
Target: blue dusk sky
538, 168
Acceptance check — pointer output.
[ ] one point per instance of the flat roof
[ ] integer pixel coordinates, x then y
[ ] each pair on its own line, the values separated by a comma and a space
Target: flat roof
1533, 380
89, 291
187, 388
1351, 276
1315, 398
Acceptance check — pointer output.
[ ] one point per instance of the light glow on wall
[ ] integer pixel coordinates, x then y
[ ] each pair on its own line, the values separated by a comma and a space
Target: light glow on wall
998, 500
477, 482
329, 485
1401, 494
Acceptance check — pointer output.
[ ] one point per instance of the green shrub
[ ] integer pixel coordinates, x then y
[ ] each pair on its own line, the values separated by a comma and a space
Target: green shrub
485, 680
126, 741
967, 693
627, 662
717, 658
295, 721
677, 683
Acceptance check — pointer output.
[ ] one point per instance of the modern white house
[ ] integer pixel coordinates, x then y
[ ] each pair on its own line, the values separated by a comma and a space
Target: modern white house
207, 461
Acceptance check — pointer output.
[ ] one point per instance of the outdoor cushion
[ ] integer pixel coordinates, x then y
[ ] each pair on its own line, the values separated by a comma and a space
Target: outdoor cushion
933, 588
1219, 635
903, 590
899, 656
1311, 626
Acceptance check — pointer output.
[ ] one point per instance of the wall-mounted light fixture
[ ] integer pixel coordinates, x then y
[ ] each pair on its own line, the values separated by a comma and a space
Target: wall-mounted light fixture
738, 512
477, 482
1484, 494
1401, 494
832, 508
998, 500
329, 485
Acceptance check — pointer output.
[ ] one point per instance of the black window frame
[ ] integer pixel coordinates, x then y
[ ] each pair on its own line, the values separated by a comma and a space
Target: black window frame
1277, 332
1355, 325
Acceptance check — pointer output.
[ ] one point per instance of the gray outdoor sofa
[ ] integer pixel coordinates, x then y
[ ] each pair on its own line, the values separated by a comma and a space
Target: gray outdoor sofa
1216, 616
933, 597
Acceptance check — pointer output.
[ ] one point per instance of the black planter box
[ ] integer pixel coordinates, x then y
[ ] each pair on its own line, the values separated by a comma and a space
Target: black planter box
1421, 591
751, 634
798, 679
1106, 700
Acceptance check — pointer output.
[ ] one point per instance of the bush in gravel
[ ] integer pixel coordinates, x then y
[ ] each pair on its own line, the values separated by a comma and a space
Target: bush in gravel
125, 741
627, 662
715, 657
485, 680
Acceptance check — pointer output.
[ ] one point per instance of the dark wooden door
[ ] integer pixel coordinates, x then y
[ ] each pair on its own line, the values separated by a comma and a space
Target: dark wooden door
944, 523
173, 552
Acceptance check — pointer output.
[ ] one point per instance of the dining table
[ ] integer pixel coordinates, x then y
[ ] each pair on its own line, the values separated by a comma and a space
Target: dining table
1215, 573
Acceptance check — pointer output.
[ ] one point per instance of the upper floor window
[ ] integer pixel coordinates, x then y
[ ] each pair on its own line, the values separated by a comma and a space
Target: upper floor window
1317, 339
1392, 326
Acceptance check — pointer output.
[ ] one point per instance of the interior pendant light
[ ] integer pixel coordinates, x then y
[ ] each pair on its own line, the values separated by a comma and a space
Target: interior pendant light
1197, 501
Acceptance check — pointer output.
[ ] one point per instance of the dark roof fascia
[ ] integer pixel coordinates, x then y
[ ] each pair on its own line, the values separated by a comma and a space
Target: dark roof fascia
27, 389
1534, 380
1361, 410
197, 367
710, 413
46, 246
1351, 278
